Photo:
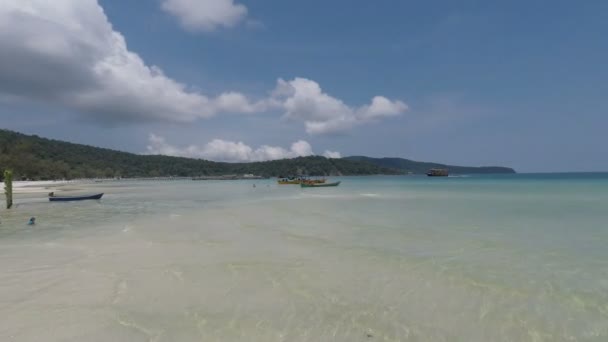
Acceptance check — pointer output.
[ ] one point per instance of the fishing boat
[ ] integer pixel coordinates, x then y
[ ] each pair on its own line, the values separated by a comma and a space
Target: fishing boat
316, 185
289, 181
54, 198
284, 181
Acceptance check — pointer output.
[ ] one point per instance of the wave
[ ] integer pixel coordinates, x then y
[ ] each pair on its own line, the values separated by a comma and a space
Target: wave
370, 195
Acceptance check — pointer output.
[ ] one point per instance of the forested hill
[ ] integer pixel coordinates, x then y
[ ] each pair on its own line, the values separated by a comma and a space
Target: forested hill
33, 157
407, 166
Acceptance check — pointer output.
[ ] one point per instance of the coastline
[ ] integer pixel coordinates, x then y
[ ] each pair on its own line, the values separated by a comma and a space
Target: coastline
36, 187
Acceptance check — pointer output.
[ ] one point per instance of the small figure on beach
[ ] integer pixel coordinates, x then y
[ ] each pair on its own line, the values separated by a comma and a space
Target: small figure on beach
32, 221
254, 185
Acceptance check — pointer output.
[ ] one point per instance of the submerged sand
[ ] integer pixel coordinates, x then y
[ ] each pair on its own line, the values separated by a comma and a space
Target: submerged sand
229, 262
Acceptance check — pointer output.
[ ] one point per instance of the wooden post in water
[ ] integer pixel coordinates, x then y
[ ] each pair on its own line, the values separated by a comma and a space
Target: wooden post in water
8, 188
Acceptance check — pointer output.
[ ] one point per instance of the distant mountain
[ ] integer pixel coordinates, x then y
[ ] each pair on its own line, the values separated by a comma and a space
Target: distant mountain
33, 157
416, 167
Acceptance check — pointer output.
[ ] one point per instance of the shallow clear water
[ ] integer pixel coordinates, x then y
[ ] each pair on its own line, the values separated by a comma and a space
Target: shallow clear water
484, 258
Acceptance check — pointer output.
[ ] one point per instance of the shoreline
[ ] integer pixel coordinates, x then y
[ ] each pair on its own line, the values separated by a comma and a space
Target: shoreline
36, 187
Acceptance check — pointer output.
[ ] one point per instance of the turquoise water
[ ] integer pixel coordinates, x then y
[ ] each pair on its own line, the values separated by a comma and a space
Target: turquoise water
479, 258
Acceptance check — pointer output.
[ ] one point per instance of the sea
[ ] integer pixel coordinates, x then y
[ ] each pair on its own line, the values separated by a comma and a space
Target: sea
385, 258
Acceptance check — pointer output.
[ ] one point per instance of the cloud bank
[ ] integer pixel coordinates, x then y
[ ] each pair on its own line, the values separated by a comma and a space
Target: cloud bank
205, 15
230, 151
65, 53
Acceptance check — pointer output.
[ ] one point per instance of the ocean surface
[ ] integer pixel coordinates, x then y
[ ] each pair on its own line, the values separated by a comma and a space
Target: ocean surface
479, 258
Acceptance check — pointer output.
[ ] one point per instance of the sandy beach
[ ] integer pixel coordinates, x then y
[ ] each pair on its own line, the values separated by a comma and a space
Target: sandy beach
29, 187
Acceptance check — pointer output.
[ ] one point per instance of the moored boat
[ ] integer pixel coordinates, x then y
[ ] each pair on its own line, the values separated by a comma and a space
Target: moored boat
54, 198
316, 185
289, 181
296, 181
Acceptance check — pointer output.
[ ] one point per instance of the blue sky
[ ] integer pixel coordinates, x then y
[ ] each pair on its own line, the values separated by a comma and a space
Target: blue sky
517, 83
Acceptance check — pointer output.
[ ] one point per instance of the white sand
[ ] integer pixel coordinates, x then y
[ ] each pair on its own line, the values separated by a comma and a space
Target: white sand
33, 187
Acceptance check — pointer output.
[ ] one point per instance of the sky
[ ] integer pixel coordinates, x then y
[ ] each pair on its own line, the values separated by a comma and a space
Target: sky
511, 83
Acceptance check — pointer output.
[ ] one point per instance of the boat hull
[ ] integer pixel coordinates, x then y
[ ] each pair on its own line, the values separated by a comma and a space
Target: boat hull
301, 181
74, 198
325, 185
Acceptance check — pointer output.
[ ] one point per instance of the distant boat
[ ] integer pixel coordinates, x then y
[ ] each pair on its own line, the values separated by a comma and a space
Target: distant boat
323, 185
289, 181
228, 177
284, 181
437, 173
54, 198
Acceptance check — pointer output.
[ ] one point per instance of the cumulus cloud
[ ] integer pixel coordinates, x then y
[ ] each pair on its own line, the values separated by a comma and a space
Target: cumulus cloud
65, 52
381, 107
304, 100
205, 15
332, 154
230, 151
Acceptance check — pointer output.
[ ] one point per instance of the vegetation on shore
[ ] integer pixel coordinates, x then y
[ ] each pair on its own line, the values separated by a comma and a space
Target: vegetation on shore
36, 158
416, 167
33, 157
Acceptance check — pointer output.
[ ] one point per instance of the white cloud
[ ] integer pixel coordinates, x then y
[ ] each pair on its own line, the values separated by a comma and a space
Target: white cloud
301, 148
230, 151
205, 15
304, 100
232, 102
332, 154
65, 52
382, 107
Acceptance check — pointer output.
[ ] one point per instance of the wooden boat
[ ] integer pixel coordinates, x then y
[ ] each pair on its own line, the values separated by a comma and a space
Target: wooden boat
437, 173
300, 181
289, 181
54, 198
315, 185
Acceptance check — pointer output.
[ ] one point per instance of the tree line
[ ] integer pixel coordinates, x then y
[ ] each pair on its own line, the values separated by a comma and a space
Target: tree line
36, 158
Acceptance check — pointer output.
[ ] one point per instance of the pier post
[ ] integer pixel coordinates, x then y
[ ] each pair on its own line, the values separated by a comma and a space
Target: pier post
8, 188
